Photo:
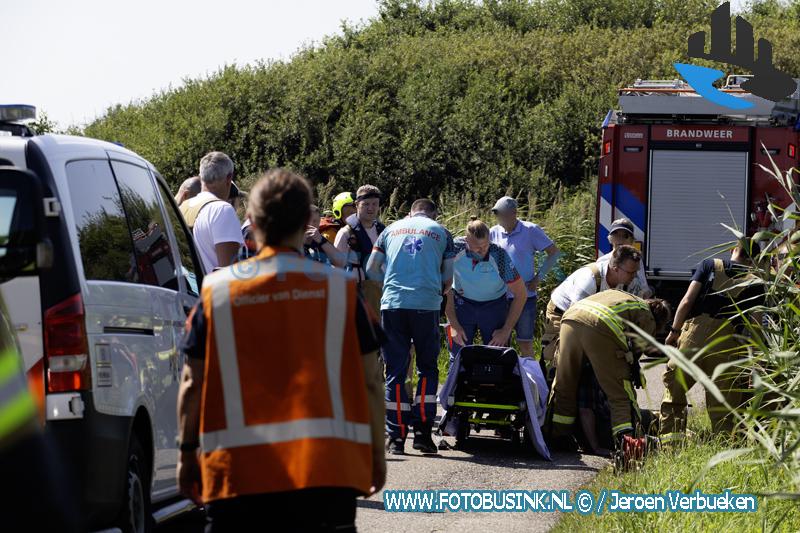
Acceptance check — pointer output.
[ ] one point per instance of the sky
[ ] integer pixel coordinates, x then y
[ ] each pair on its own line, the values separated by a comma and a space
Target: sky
73, 59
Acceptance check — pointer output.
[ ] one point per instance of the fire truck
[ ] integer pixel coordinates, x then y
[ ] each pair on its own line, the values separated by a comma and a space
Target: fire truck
679, 166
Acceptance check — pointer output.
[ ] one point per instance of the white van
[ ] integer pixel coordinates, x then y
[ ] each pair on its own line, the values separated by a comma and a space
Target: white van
100, 330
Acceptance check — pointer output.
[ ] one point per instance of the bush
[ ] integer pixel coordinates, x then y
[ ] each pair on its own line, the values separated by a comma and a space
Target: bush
436, 97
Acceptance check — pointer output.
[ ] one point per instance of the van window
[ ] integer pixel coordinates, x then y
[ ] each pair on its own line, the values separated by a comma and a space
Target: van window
8, 202
188, 266
148, 230
103, 234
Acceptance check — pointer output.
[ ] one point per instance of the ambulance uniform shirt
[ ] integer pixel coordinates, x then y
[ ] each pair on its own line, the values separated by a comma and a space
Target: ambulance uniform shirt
415, 249
370, 334
719, 305
482, 279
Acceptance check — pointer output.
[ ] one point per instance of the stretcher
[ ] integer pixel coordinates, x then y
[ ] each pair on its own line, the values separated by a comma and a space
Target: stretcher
493, 388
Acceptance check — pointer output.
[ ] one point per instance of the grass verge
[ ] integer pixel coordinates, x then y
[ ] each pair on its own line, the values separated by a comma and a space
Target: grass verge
684, 468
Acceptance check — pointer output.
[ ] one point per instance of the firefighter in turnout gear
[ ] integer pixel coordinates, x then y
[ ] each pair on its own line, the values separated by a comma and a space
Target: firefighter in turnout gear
708, 313
596, 328
276, 418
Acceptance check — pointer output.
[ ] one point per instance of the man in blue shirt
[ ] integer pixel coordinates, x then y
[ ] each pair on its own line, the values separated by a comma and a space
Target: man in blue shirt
482, 275
522, 240
418, 255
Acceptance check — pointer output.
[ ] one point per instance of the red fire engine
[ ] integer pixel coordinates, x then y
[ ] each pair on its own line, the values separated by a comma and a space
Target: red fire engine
679, 166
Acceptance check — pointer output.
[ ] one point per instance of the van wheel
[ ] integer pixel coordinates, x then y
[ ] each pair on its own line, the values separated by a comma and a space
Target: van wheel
136, 515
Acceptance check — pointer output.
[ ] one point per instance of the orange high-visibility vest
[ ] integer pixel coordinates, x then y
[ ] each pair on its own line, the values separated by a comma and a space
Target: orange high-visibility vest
284, 404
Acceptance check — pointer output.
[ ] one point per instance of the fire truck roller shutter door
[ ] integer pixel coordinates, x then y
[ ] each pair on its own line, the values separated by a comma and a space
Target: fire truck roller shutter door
691, 194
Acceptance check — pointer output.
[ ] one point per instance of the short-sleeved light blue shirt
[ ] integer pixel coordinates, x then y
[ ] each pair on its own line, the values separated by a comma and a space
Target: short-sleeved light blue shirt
415, 248
522, 244
482, 279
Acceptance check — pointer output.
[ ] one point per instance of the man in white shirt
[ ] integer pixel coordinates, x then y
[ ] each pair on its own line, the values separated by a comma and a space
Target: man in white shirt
618, 271
622, 233
214, 223
584, 282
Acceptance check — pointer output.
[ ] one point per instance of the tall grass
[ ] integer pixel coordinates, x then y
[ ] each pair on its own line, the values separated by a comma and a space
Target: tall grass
685, 468
768, 423
568, 221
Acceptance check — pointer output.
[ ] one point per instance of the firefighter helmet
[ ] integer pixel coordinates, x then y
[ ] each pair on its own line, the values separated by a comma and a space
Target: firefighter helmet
341, 200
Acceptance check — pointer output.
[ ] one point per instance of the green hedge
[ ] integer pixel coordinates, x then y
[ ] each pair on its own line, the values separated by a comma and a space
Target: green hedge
431, 98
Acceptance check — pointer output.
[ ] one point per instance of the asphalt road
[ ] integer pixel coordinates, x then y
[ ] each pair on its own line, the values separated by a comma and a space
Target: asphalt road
488, 463
650, 396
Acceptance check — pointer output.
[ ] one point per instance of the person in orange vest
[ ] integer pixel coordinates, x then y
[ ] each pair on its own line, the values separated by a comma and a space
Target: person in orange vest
280, 407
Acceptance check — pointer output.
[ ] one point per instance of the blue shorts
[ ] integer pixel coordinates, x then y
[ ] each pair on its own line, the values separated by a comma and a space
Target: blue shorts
526, 325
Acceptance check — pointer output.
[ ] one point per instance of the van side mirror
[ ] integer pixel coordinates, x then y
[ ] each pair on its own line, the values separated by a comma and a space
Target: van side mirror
24, 250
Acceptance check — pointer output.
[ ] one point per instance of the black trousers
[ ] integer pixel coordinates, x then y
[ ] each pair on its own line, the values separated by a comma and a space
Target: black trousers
328, 509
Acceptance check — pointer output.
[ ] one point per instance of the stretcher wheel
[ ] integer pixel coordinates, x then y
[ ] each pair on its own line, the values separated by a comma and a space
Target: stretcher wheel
527, 442
516, 439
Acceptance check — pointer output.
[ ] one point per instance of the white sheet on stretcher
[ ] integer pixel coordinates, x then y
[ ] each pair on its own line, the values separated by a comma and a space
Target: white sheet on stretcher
534, 385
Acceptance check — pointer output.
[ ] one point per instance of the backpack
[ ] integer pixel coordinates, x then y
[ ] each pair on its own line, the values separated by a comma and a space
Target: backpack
190, 213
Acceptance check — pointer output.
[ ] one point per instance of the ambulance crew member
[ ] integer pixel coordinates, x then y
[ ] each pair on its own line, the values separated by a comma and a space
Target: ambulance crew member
482, 274
522, 239
418, 255
279, 420
621, 233
707, 313
585, 281
595, 328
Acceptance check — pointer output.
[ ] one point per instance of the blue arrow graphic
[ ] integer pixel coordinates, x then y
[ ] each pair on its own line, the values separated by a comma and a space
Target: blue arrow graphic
701, 79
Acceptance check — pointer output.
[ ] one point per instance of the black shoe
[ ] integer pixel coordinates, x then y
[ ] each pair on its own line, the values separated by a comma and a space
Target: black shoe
396, 446
424, 442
